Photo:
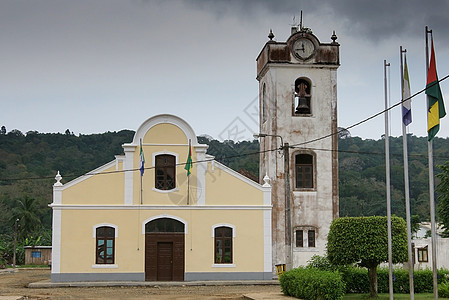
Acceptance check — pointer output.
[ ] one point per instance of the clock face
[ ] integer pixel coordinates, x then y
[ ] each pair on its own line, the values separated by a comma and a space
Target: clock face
303, 48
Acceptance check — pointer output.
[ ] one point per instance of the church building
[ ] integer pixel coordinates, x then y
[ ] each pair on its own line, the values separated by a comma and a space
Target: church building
120, 223
149, 216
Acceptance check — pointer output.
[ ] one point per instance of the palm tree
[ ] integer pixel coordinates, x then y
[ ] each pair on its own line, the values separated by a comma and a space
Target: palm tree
25, 212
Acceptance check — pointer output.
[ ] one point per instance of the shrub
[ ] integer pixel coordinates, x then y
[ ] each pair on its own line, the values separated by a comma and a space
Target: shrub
321, 263
312, 284
443, 290
356, 280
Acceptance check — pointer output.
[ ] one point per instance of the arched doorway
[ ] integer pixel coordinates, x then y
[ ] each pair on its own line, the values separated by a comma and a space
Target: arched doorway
164, 250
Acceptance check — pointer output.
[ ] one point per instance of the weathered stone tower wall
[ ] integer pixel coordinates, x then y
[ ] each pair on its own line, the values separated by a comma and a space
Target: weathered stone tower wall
298, 106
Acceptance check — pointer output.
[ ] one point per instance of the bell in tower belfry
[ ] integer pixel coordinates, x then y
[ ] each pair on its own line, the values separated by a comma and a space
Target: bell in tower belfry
303, 103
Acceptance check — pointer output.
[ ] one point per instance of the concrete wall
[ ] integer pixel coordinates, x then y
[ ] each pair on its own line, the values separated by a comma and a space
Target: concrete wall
442, 253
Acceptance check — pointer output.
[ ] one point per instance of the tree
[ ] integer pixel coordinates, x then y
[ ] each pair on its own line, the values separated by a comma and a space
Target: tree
443, 198
364, 240
415, 223
26, 213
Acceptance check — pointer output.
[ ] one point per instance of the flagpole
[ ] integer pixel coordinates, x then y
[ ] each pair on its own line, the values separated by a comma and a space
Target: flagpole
387, 171
141, 190
406, 183
431, 188
142, 168
188, 179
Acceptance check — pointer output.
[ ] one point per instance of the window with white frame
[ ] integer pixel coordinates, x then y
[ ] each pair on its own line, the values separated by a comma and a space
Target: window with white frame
105, 245
223, 245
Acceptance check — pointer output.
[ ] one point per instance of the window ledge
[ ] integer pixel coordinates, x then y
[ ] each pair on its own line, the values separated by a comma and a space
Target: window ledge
104, 266
311, 249
302, 115
299, 191
223, 266
165, 191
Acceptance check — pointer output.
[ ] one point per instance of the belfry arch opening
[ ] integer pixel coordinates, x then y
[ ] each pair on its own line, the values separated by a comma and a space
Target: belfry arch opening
302, 97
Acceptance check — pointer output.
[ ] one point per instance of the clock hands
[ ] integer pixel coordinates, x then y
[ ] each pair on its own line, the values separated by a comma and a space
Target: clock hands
303, 49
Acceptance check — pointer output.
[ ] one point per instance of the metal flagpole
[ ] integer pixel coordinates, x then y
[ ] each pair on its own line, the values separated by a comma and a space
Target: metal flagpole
431, 189
141, 190
188, 178
387, 171
141, 176
407, 186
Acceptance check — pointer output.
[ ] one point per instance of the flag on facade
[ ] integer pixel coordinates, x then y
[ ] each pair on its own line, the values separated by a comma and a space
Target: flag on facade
436, 105
407, 102
142, 160
188, 166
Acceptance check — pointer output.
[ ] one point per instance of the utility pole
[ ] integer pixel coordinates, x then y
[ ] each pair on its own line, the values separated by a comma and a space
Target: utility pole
288, 214
288, 235
15, 243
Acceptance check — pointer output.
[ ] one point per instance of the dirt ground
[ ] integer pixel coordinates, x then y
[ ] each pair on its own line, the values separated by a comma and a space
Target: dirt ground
15, 284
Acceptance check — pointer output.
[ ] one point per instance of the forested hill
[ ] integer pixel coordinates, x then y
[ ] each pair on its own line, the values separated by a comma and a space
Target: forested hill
29, 162
362, 175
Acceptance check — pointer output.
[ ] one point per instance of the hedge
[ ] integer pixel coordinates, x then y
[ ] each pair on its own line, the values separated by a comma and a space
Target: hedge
443, 290
312, 284
356, 280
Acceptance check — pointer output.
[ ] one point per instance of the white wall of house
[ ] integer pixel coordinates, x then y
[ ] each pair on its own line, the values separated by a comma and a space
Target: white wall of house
423, 261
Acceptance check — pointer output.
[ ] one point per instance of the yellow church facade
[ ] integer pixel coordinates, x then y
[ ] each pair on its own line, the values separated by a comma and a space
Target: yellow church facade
122, 224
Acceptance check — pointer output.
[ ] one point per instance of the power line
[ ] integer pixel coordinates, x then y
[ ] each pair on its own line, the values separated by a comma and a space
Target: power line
371, 117
294, 146
226, 157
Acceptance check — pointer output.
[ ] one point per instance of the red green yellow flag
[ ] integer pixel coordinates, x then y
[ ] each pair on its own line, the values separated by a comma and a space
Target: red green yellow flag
436, 109
189, 163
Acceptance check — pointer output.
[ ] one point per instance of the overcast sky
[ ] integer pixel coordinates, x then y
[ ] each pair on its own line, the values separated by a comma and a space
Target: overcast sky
95, 66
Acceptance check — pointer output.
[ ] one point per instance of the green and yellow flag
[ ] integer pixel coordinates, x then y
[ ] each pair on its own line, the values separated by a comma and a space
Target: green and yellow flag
436, 105
189, 163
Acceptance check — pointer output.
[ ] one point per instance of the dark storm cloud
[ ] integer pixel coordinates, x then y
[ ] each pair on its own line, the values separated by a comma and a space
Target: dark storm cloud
370, 20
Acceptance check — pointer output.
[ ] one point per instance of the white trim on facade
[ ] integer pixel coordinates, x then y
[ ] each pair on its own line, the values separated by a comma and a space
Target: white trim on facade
56, 242
223, 225
161, 207
105, 266
164, 145
267, 242
119, 159
94, 229
165, 216
165, 152
90, 174
129, 176
201, 169
165, 191
223, 265
164, 119
238, 175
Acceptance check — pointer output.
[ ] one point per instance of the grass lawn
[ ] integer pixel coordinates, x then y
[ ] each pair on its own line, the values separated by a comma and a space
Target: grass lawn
396, 296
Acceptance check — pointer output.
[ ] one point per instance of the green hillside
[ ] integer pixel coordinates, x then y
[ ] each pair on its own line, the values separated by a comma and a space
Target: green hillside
29, 162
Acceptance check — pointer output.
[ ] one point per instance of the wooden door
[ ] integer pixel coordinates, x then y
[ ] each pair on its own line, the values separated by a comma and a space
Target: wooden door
164, 256
165, 261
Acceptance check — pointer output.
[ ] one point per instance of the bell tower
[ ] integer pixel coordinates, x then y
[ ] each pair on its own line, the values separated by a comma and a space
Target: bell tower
299, 142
